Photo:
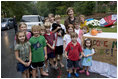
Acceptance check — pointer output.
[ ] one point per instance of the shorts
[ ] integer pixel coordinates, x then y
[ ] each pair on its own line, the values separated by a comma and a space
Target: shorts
50, 55
34, 65
71, 64
21, 67
59, 50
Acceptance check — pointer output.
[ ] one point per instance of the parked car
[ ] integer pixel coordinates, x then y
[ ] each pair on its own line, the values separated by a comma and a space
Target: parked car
31, 20
7, 23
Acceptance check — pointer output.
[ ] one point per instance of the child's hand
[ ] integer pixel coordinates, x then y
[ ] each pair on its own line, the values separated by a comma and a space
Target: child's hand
66, 56
45, 57
26, 64
58, 27
86, 56
52, 48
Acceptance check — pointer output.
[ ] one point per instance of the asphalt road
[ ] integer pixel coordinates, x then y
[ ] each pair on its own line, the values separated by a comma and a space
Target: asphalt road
8, 61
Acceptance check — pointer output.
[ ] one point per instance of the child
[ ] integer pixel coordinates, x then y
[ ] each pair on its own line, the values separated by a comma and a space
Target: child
59, 39
46, 19
78, 31
38, 47
23, 54
67, 38
73, 49
83, 22
42, 31
51, 18
50, 38
87, 57
23, 27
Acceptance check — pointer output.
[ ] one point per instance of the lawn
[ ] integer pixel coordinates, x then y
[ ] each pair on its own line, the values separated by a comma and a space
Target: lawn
104, 29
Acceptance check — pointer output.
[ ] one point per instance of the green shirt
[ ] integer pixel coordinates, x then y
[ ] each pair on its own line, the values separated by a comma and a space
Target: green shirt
23, 50
37, 48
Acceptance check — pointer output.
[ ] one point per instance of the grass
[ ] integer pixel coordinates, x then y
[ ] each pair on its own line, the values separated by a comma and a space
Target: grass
104, 29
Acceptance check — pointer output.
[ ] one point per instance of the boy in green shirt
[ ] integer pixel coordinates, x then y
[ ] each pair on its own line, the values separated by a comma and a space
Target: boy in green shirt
38, 47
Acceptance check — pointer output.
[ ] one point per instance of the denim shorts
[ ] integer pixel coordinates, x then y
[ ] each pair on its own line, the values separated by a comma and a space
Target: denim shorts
50, 55
21, 67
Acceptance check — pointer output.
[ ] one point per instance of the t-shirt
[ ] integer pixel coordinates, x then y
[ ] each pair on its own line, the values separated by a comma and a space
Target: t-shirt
73, 51
67, 39
23, 50
37, 48
50, 38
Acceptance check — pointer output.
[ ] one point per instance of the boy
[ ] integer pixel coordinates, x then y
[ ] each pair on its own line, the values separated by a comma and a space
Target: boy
59, 30
49, 36
38, 46
73, 49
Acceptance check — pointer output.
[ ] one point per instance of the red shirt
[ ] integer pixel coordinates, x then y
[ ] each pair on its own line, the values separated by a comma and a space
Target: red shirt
73, 51
50, 38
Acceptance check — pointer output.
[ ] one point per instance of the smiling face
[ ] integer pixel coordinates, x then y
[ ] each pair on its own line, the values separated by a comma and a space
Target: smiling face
23, 28
70, 30
88, 43
21, 37
74, 39
36, 32
47, 30
71, 13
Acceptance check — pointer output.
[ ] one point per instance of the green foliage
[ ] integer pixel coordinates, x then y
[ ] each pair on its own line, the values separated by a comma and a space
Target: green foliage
84, 7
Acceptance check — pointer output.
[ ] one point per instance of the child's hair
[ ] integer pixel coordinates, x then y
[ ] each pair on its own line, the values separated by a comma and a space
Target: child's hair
47, 24
76, 22
22, 23
87, 39
46, 18
57, 17
42, 28
73, 35
81, 16
70, 26
35, 27
69, 8
17, 34
50, 15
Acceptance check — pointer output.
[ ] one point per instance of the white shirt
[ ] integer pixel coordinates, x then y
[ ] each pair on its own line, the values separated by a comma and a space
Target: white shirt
67, 39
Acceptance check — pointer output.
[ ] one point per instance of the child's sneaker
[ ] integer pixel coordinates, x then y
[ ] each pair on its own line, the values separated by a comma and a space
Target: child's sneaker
87, 73
76, 74
82, 71
69, 75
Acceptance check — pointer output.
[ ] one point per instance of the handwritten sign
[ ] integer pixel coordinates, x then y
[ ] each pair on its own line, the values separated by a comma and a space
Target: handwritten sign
106, 49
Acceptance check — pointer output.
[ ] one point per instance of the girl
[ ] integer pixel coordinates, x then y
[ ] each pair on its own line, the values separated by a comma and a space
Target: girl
23, 27
23, 54
78, 31
87, 56
83, 22
67, 37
